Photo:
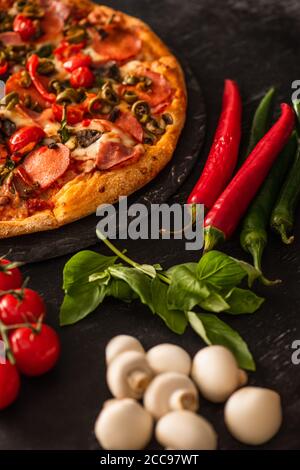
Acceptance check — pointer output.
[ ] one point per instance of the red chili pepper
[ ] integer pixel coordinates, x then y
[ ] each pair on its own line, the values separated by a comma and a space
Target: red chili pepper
32, 66
223, 154
74, 113
223, 218
25, 139
3, 67
77, 60
24, 26
82, 77
66, 50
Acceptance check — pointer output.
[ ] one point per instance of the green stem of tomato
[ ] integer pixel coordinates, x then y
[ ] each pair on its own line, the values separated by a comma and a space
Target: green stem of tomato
5, 328
8, 351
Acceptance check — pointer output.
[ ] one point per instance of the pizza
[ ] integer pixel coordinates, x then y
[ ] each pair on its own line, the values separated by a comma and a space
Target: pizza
93, 108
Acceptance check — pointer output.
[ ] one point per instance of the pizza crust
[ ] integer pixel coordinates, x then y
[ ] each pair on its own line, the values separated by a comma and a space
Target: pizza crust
81, 196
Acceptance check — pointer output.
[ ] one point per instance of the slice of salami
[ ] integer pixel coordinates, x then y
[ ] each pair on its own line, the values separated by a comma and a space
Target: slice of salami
60, 9
120, 45
53, 22
159, 92
45, 165
11, 39
112, 153
128, 123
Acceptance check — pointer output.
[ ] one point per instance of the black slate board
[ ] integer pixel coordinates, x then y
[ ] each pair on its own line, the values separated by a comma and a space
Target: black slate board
257, 43
81, 234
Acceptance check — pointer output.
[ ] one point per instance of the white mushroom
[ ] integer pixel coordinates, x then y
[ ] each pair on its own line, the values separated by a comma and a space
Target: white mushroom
170, 391
120, 344
169, 358
253, 415
123, 425
184, 430
216, 373
128, 375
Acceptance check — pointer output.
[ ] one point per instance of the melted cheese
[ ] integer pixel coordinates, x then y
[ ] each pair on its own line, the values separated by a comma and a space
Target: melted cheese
51, 128
131, 67
20, 119
113, 135
93, 54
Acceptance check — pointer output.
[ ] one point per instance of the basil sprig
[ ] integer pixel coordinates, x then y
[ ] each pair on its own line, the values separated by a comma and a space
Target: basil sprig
180, 296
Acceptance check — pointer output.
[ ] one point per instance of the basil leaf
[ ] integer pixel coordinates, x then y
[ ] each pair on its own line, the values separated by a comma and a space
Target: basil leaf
138, 282
147, 269
215, 303
174, 319
102, 278
191, 266
220, 270
80, 301
185, 290
243, 301
120, 290
214, 331
250, 270
82, 265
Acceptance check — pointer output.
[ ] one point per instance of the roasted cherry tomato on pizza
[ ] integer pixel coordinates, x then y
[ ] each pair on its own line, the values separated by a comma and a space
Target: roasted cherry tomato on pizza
25, 27
9, 384
10, 275
75, 113
76, 61
25, 139
22, 305
35, 352
66, 49
82, 77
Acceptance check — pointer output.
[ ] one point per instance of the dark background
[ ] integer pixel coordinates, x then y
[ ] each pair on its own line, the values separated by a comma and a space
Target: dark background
256, 43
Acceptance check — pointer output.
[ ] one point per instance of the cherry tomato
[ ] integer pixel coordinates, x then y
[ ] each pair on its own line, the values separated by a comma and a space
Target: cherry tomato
28, 307
82, 77
66, 50
74, 113
3, 67
9, 384
9, 278
24, 26
24, 139
35, 353
77, 60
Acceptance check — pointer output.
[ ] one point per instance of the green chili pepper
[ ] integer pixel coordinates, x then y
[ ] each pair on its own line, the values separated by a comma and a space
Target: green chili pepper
254, 235
283, 215
261, 120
